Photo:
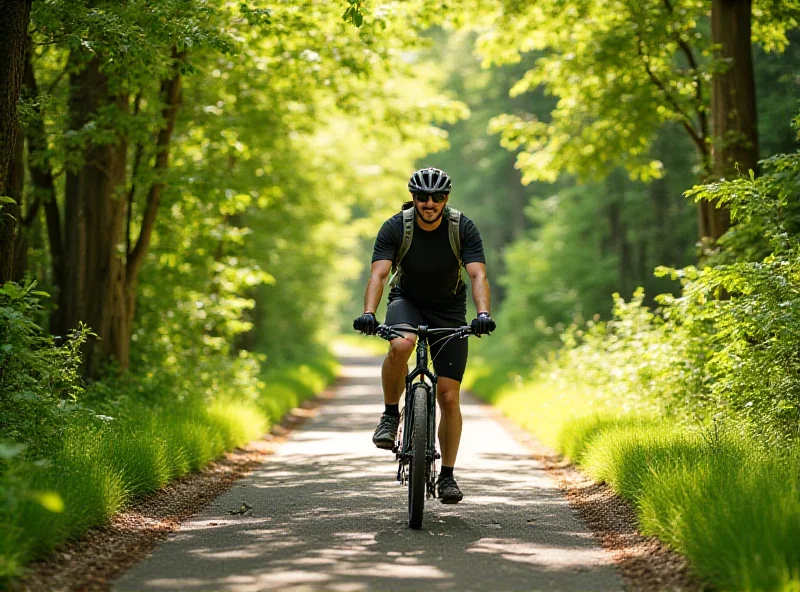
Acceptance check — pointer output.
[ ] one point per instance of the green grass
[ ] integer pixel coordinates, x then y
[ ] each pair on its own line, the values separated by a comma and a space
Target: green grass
100, 469
722, 499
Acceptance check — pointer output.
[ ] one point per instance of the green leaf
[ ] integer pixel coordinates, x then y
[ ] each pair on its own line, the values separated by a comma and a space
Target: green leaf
50, 500
6, 199
40, 293
358, 19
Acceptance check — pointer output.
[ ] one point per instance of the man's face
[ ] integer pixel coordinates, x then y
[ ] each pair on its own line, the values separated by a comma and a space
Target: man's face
429, 210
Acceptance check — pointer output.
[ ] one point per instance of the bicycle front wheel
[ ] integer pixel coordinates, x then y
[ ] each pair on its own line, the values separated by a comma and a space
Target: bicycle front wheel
419, 443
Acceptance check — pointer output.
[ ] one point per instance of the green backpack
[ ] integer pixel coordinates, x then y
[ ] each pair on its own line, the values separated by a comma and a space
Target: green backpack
453, 217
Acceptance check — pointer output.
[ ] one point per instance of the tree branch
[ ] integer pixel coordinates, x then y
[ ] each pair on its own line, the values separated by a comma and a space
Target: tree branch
686, 120
170, 93
55, 82
28, 219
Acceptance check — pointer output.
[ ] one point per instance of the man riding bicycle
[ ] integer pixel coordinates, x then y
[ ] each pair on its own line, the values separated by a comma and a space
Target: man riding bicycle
427, 247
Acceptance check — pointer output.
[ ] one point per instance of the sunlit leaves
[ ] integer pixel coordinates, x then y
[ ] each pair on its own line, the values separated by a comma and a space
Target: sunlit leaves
255, 16
620, 71
353, 13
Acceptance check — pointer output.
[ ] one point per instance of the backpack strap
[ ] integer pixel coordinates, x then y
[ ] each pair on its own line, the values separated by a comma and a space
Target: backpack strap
408, 234
454, 232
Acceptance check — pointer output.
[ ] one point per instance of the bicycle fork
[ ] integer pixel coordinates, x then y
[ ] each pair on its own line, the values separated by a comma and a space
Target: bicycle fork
403, 454
432, 455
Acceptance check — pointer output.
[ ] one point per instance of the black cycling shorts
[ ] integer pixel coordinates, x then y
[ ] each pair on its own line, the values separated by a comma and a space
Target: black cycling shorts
449, 355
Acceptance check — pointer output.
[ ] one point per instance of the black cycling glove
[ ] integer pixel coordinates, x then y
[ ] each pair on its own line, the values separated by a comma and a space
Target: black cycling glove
483, 325
366, 323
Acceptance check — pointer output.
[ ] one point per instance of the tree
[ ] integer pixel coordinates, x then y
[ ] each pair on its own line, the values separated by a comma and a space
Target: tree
13, 41
621, 70
111, 55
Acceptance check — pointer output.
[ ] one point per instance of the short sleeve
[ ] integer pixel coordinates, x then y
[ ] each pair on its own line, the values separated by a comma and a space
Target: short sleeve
387, 243
471, 243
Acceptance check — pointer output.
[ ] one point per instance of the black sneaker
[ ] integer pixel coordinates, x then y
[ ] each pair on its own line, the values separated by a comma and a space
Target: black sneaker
449, 493
386, 432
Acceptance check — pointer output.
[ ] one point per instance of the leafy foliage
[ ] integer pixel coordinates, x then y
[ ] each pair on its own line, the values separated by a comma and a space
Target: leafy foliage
754, 363
39, 378
620, 71
726, 346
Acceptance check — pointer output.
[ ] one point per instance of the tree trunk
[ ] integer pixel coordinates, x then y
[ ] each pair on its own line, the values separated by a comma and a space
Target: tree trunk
94, 270
99, 277
516, 195
733, 104
41, 177
15, 190
13, 42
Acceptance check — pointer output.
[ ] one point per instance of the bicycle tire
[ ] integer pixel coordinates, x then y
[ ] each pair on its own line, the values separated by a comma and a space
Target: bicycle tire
419, 444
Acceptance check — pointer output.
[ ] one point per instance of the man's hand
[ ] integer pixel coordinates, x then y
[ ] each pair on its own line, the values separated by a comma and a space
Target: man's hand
483, 325
366, 323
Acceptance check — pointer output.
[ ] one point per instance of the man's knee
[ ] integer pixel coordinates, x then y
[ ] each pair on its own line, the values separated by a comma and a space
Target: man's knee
400, 350
449, 399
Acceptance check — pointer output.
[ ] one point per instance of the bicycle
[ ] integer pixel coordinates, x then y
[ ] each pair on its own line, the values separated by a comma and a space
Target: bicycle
417, 454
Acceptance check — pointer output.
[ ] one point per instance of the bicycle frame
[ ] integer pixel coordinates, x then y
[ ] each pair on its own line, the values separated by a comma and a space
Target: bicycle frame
420, 371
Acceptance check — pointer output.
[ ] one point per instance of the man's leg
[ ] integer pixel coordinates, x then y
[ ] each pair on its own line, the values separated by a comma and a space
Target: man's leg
393, 375
395, 368
448, 394
449, 360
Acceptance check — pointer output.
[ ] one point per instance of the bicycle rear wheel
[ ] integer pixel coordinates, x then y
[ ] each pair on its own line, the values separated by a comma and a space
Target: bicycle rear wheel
419, 443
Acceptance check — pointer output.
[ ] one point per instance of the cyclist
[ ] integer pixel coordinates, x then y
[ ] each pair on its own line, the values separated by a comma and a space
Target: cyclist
428, 291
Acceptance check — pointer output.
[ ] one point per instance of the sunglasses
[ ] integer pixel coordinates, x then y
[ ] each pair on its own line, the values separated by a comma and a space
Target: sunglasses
436, 197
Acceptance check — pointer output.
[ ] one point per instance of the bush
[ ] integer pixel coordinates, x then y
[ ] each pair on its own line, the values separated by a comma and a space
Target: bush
39, 381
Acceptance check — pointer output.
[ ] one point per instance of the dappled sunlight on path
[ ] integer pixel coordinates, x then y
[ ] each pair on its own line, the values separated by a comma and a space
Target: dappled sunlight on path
326, 514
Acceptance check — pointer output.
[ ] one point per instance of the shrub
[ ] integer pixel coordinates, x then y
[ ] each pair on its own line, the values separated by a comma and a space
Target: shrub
39, 380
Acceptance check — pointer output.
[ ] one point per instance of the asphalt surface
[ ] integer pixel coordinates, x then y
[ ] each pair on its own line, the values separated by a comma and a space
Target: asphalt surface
325, 513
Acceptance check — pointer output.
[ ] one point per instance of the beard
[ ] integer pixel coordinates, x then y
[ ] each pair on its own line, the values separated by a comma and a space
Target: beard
421, 211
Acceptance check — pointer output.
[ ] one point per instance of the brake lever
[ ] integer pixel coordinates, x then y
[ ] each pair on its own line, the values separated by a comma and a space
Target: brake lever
384, 332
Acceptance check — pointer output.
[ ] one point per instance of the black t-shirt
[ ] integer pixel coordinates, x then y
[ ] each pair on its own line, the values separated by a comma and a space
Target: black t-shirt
430, 268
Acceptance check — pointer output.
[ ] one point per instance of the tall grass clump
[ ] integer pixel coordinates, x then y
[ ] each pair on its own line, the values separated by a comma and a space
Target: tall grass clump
718, 494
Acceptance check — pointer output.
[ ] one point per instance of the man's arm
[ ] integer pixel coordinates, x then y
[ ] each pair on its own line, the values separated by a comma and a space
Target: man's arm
480, 286
377, 277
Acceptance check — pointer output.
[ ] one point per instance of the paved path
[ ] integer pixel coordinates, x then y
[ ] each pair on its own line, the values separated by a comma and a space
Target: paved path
327, 515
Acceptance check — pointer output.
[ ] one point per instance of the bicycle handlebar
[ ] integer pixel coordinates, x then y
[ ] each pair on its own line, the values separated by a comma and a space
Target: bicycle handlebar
388, 331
